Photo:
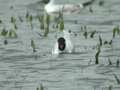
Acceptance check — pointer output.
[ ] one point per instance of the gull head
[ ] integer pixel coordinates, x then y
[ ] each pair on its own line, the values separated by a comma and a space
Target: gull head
61, 43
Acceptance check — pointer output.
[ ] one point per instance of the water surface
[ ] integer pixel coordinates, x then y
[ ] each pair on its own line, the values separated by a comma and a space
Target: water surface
21, 69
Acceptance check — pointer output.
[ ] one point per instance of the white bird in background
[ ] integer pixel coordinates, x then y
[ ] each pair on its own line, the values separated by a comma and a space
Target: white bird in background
52, 8
63, 44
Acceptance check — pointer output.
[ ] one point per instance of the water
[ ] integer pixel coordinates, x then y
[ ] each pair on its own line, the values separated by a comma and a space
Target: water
21, 69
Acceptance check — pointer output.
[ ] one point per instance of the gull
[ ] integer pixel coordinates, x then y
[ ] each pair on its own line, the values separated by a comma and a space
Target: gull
51, 7
63, 44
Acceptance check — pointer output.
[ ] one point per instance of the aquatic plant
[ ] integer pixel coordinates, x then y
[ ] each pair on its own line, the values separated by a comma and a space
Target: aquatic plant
11, 7
7, 34
85, 34
101, 3
81, 28
116, 30
85, 27
108, 42
61, 25
84, 30
20, 18
15, 27
4, 32
110, 63
44, 21
45, 1
41, 21
100, 40
40, 88
90, 9
89, 62
0, 21
12, 33
60, 21
27, 15
97, 55
76, 22
33, 45
116, 78
29, 19
110, 87
117, 63
5, 42
92, 34
105, 42
13, 21
46, 24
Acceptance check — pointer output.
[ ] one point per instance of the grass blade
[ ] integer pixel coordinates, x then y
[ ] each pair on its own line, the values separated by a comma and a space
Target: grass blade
92, 34
100, 40
117, 63
116, 78
97, 56
33, 45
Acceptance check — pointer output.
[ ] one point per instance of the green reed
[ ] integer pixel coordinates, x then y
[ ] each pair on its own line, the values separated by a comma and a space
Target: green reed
45, 1
110, 87
109, 61
8, 34
116, 78
90, 9
117, 63
4, 32
40, 88
12, 33
85, 34
92, 34
20, 18
29, 19
116, 31
13, 21
100, 40
5, 42
46, 24
97, 55
41, 21
101, 3
33, 45
84, 30
108, 42
0, 21
60, 21
27, 15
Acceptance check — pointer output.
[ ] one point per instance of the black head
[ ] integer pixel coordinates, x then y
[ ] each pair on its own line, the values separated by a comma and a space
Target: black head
61, 43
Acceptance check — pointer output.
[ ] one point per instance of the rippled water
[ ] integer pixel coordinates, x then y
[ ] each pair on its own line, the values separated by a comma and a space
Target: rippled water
21, 69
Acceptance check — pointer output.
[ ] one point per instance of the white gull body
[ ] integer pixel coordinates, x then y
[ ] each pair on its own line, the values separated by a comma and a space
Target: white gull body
51, 7
69, 46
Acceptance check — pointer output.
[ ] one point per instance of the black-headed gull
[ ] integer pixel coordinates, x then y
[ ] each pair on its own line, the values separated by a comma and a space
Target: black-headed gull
63, 44
51, 7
